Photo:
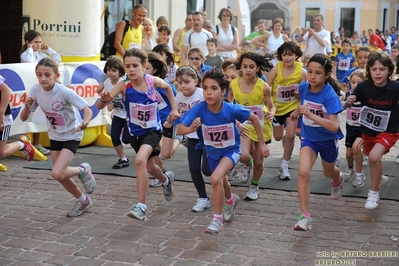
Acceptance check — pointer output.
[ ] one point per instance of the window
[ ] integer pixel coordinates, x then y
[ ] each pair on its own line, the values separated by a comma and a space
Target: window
348, 20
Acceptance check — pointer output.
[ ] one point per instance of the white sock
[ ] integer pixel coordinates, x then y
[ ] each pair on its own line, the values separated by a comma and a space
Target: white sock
124, 159
142, 206
21, 145
83, 197
284, 163
166, 182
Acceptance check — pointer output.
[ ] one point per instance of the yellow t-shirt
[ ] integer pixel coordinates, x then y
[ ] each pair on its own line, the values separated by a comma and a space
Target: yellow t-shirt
255, 100
132, 39
179, 43
283, 89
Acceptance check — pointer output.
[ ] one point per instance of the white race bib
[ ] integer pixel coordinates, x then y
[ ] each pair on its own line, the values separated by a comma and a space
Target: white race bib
161, 102
56, 120
315, 108
258, 111
220, 136
374, 119
142, 115
352, 116
286, 94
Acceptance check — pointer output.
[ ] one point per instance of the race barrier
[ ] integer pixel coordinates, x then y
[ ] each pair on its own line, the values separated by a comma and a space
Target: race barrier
82, 77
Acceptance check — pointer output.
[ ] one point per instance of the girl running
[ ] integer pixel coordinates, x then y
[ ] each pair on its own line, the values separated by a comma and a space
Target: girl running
144, 122
284, 79
59, 103
189, 96
320, 107
252, 92
214, 120
379, 117
353, 138
115, 70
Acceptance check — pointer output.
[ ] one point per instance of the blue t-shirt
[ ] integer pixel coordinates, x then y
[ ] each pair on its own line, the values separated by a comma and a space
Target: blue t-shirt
218, 133
204, 69
164, 103
323, 103
142, 108
344, 63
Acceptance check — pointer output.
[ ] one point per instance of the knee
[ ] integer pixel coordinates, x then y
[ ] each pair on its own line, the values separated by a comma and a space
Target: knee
373, 159
166, 155
140, 163
303, 175
244, 158
289, 136
57, 175
215, 180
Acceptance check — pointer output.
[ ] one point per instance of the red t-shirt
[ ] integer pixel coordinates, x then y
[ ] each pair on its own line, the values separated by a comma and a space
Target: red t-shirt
375, 39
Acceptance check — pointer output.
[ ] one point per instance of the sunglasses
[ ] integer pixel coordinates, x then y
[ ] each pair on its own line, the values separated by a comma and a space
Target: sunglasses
194, 58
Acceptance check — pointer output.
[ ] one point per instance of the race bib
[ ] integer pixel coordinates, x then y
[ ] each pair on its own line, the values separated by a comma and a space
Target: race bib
118, 104
161, 102
56, 120
258, 111
374, 119
344, 64
314, 108
220, 136
142, 115
352, 116
286, 94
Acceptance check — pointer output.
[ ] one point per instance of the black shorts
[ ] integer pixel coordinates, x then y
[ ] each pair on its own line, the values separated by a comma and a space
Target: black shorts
151, 138
71, 145
169, 132
280, 120
350, 139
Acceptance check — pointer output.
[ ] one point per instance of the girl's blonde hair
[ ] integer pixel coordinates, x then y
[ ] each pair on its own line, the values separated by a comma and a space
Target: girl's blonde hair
359, 73
149, 21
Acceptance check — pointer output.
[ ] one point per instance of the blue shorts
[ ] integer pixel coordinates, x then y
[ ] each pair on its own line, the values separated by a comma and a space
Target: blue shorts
233, 156
328, 149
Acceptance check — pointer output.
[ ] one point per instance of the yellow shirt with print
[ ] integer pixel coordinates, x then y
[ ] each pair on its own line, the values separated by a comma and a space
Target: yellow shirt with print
132, 39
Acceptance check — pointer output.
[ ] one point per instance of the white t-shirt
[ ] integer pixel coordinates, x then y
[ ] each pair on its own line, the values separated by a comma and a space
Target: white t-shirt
186, 103
312, 46
196, 39
60, 106
225, 38
117, 102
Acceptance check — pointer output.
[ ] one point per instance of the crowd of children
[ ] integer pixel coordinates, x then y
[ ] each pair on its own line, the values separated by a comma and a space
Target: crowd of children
228, 112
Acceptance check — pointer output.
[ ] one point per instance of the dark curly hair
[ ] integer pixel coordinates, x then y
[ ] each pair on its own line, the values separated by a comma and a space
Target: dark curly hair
262, 61
217, 75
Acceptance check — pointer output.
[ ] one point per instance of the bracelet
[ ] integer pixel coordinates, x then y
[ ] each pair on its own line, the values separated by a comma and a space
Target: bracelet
103, 101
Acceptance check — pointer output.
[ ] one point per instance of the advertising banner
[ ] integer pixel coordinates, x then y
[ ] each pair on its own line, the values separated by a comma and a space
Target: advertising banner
72, 28
82, 77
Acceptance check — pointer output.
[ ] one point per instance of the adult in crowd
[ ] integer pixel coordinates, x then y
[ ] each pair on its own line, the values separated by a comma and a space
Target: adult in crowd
388, 41
178, 38
134, 35
355, 40
263, 27
375, 41
226, 35
161, 23
393, 35
148, 41
364, 38
196, 37
317, 39
208, 25
271, 41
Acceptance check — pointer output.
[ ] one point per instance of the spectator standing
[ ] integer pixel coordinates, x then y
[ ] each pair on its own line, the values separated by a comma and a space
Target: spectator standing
226, 35
178, 38
317, 39
375, 41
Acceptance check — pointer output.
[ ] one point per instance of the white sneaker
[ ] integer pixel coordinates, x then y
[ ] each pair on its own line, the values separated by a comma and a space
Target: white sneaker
336, 192
347, 175
202, 204
373, 199
284, 174
253, 193
359, 180
42, 149
230, 175
366, 160
244, 172
303, 223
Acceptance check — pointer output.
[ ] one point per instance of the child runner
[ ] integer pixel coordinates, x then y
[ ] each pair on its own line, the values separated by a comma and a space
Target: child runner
23, 144
167, 56
344, 60
353, 139
115, 70
64, 124
144, 123
284, 80
214, 120
169, 144
320, 106
395, 53
379, 117
189, 96
252, 92
196, 60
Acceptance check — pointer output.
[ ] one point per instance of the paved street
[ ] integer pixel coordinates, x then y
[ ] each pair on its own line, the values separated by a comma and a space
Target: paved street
34, 229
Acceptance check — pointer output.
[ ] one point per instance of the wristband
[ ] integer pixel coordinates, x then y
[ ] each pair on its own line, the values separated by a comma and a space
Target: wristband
103, 101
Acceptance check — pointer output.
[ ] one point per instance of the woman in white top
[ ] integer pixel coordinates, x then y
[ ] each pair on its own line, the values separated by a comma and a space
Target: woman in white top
272, 41
34, 50
226, 34
148, 42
